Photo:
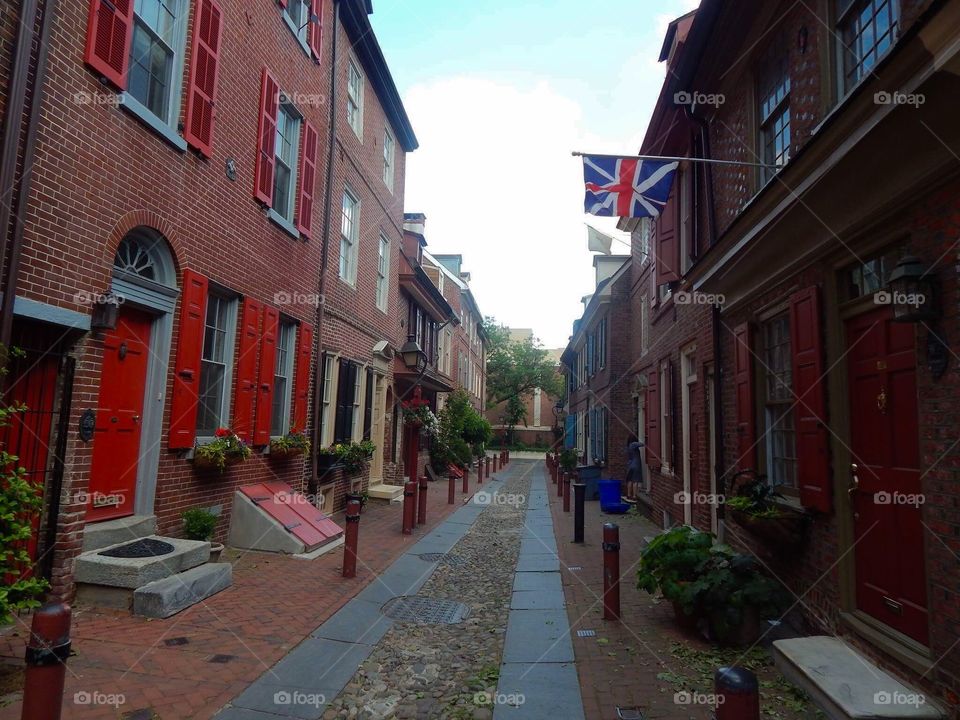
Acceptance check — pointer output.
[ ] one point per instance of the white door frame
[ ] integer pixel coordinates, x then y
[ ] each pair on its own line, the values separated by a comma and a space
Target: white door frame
688, 376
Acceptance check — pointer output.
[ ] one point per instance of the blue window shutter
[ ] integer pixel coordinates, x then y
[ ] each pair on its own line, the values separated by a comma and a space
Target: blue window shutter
571, 434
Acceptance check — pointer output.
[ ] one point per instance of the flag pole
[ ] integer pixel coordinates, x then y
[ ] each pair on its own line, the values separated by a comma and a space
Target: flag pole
667, 158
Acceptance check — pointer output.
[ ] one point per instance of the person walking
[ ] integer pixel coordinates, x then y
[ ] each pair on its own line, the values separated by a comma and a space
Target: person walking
634, 467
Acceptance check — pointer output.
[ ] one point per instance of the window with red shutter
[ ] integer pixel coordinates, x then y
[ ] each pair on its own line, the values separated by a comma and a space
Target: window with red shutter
268, 363
186, 373
653, 421
202, 91
743, 384
266, 138
308, 173
246, 368
813, 461
301, 385
109, 30
668, 247
315, 37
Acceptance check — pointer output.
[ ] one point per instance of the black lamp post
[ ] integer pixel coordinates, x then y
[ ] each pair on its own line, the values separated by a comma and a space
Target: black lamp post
912, 290
413, 355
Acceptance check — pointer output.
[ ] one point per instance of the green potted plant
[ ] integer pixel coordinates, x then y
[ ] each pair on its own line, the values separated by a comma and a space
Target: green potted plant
227, 448
755, 506
569, 460
293, 444
200, 524
351, 456
670, 563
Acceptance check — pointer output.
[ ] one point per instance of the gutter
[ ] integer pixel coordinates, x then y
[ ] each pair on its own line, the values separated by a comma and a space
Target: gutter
324, 253
12, 130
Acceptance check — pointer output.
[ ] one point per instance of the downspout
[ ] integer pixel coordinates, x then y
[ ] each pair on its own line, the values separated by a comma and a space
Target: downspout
12, 129
324, 253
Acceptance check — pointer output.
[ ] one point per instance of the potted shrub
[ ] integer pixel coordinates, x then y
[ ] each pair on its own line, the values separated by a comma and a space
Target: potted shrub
569, 460
227, 448
670, 563
293, 444
199, 524
755, 507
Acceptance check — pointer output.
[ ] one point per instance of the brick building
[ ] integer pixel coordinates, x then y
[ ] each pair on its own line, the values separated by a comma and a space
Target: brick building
770, 331
192, 230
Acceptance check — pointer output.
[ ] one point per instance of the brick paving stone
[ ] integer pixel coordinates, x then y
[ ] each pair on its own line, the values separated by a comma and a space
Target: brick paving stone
274, 603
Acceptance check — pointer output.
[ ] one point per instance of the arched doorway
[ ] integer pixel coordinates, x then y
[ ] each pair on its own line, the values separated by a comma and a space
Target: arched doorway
129, 415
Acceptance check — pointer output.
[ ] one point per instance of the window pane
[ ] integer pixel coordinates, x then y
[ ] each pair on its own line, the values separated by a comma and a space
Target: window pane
151, 64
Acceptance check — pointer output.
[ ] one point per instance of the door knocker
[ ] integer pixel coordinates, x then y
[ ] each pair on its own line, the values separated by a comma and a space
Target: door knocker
882, 401
123, 350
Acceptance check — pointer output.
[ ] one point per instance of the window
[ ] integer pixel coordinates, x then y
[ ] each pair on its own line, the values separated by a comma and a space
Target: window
866, 30
349, 235
644, 327
778, 415
297, 15
348, 400
445, 356
774, 94
388, 160
685, 179
156, 57
282, 375
666, 416
355, 98
383, 274
326, 413
216, 361
357, 399
285, 172
642, 236
601, 344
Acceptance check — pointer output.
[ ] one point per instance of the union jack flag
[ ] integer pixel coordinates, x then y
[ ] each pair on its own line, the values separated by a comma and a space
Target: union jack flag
626, 187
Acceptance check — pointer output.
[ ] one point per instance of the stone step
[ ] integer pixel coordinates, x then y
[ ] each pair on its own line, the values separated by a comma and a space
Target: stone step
166, 597
112, 532
846, 685
95, 568
390, 493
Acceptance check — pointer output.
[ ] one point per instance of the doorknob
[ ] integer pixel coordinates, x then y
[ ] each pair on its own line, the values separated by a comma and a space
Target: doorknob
855, 480
136, 418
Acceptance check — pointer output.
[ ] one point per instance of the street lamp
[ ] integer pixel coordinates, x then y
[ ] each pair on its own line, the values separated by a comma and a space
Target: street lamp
912, 291
413, 355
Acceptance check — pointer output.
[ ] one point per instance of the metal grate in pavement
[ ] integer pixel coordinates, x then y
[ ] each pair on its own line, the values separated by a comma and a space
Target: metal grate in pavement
426, 610
586, 633
443, 558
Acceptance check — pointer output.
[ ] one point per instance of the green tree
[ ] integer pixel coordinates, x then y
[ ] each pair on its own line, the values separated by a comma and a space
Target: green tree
515, 368
462, 435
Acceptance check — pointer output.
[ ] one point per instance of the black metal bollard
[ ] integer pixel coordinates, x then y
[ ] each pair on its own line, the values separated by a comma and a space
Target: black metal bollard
409, 506
738, 694
351, 539
579, 493
422, 502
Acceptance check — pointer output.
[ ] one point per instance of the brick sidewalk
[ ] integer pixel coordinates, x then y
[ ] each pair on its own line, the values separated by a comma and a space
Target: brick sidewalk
645, 659
190, 665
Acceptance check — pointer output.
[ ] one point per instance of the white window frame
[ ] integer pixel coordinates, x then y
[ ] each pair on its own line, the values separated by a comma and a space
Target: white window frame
685, 179
666, 420
299, 26
286, 108
230, 339
287, 373
167, 126
330, 380
355, 97
644, 327
383, 273
846, 85
389, 164
359, 393
348, 245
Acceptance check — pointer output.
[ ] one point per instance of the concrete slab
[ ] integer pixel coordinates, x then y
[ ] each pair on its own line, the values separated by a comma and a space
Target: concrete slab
538, 563
97, 569
537, 599
319, 665
166, 597
548, 691
542, 545
404, 577
537, 636
237, 713
539, 581
276, 701
358, 621
845, 684
97, 536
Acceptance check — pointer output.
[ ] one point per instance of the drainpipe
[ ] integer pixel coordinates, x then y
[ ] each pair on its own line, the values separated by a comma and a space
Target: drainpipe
324, 253
12, 130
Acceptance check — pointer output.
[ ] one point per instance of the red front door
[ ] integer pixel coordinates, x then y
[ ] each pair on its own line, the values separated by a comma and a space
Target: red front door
116, 443
884, 433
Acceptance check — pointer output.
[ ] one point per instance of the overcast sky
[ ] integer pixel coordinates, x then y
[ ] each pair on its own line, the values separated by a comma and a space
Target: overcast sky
499, 92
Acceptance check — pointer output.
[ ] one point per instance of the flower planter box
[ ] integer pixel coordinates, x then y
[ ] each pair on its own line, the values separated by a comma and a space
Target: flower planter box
282, 454
784, 532
328, 463
207, 463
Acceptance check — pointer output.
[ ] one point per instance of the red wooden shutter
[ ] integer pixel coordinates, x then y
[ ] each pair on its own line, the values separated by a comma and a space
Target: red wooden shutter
668, 246
282, 3
248, 350
266, 138
743, 383
202, 90
268, 364
109, 32
653, 422
308, 173
301, 384
186, 371
315, 31
813, 461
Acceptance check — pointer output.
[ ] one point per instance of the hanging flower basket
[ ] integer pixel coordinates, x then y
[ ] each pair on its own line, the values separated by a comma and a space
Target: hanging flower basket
227, 448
